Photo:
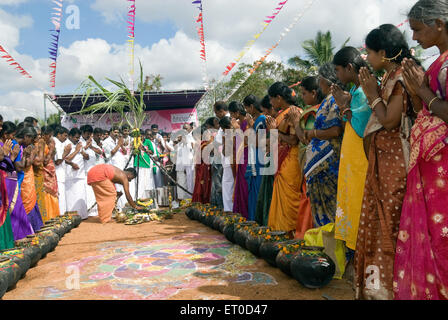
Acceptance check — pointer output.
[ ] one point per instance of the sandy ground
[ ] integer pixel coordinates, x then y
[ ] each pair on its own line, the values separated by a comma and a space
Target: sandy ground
174, 259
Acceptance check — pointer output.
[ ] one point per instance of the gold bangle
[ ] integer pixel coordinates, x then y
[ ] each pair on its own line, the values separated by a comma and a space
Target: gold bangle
429, 105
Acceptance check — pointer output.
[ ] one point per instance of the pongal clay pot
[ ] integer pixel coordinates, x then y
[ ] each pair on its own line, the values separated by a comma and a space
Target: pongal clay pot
201, 216
11, 271
228, 232
30, 250
3, 284
312, 268
254, 240
221, 221
18, 256
241, 233
209, 219
43, 245
50, 236
284, 259
57, 227
75, 216
269, 249
190, 213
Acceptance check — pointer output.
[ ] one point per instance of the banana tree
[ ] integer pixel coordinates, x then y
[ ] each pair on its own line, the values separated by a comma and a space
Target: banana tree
122, 101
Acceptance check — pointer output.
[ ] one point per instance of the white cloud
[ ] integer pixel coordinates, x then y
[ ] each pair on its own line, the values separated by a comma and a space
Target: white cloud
176, 59
11, 2
234, 22
19, 105
229, 24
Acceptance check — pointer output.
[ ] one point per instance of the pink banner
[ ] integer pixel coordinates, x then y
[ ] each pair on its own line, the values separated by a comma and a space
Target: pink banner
168, 120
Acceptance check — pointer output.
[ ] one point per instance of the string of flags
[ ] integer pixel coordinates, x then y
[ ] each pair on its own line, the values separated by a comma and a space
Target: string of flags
13, 62
131, 40
251, 42
296, 20
201, 35
269, 51
54, 45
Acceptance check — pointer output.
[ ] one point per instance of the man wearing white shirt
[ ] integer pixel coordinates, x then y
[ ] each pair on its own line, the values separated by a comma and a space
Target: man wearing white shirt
75, 175
97, 146
115, 152
157, 140
228, 180
127, 142
87, 141
185, 164
129, 148
62, 151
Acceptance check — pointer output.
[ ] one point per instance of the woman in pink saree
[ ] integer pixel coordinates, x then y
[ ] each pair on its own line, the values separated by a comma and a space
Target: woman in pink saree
421, 260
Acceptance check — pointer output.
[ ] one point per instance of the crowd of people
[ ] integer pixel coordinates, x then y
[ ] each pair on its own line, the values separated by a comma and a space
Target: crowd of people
363, 158
45, 172
365, 161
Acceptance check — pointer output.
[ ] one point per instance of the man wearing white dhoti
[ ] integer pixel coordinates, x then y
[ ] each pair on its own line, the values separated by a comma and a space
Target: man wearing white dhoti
157, 141
228, 179
87, 144
75, 176
62, 151
185, 164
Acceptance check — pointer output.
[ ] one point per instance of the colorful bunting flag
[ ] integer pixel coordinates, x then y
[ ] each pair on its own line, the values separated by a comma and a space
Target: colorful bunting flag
269, 51
282, 36
131, 40
201, 35
8, 58
54, 44
250, 43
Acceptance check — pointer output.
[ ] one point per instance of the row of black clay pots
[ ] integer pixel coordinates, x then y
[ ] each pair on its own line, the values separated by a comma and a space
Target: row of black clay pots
14, 263
310, 266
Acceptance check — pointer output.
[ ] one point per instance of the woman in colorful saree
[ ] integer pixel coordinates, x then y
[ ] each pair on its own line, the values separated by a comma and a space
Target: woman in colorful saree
353, 164
386, 144
267, 180
28, 189
6, 165
421, 257
241, 192
313, 97
38, 169
49, 170
21, 227
203, 181
257, 122
286, 194
323, 151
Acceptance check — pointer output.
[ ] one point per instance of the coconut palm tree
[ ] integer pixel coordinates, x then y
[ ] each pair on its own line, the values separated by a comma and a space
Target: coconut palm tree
318, 51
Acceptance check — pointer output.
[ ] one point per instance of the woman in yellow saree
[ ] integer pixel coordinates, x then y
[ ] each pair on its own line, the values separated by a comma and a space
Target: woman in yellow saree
286, 195
49, 170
